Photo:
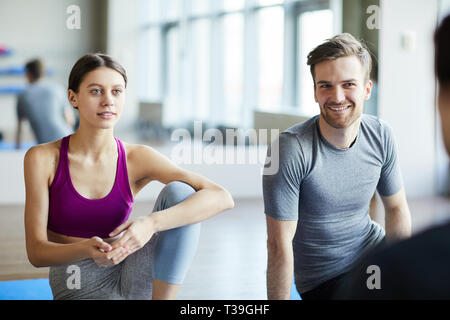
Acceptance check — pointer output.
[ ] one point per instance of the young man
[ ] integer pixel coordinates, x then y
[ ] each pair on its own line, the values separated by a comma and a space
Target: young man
45, 106
417, 268
317, 204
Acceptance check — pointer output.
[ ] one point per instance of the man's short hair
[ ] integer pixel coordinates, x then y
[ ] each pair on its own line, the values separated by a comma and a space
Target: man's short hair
35, 68
342, 45
442, 52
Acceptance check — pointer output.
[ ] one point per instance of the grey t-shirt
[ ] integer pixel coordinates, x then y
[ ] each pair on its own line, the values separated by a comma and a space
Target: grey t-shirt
328, 191
43, 105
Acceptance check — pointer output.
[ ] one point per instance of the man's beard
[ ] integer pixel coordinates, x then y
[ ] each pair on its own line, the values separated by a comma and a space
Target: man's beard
338, 121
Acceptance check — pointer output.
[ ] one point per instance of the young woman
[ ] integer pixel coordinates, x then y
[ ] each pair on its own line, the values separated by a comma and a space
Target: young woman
79, 195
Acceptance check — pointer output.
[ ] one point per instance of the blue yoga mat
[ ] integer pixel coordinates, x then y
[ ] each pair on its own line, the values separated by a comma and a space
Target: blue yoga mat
39, 289
36, 289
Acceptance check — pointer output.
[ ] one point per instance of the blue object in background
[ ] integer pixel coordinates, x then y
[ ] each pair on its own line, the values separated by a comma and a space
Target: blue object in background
36, 289
294, 293
20, 71
6, 145
5, 51
11, 89
12, 71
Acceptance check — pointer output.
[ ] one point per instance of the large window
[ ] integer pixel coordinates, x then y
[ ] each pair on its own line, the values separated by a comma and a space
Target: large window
172, 110
233, 5
218, 61
313, 28
270, 64
233, 67
201, 75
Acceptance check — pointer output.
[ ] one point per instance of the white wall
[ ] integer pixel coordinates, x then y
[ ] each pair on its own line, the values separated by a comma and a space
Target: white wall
407, 88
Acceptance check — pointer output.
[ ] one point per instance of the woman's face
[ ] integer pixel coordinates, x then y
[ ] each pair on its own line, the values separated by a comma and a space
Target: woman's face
100, 98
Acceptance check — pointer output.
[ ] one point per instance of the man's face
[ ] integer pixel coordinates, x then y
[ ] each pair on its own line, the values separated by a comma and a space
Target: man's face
340, 90
444, 110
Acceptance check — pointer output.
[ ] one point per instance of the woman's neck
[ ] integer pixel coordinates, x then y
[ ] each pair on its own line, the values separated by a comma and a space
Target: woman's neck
93, 143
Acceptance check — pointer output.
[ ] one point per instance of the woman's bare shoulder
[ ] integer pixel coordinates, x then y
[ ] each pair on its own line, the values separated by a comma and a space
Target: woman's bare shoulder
44, 156
44, 150
142, 160
136, 152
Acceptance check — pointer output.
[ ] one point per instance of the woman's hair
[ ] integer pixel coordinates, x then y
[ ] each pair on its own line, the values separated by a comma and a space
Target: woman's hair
90, 62
442, 52
342, 45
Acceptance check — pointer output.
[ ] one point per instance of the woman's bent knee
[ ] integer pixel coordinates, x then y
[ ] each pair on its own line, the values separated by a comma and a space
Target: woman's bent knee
172, 194
179, 189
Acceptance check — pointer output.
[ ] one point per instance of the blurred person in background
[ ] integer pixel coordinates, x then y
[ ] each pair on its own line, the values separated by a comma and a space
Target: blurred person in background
44, 105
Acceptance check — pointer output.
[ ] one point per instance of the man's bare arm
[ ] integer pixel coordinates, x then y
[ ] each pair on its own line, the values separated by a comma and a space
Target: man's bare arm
397, 217
280, 262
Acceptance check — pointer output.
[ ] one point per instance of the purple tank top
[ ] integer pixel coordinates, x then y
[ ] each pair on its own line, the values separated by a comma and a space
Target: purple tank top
72, 214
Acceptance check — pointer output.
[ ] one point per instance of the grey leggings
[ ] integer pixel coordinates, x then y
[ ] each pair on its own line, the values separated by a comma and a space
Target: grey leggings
167, 257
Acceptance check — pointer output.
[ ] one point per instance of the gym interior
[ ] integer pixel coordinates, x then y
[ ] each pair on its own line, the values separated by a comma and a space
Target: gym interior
225, 75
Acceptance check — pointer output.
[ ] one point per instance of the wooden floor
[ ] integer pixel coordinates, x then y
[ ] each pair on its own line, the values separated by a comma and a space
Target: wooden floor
231, 259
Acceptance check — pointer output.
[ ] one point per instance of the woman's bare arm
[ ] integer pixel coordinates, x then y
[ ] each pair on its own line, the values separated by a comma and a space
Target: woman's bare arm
208, 200
42, 252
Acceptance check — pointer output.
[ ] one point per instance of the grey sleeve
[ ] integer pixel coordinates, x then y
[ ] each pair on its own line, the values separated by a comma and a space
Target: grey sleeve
390, 177
281, 182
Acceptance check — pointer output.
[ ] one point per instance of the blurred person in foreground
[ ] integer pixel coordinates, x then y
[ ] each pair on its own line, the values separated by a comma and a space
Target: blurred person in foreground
417, 268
